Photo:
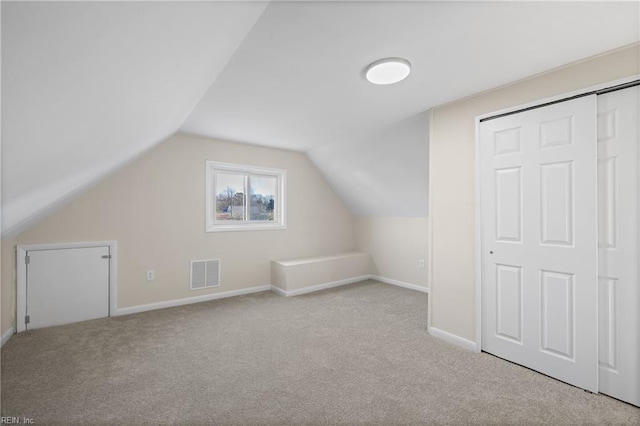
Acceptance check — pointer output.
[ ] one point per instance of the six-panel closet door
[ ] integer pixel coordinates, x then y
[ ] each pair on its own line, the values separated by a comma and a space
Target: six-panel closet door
560, 237
539, 240
619, 282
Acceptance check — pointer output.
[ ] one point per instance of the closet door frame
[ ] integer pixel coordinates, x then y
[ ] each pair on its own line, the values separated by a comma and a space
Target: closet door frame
478, 219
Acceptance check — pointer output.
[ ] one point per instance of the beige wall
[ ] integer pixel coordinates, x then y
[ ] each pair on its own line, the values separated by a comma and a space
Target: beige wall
7, 280
396, 245
452, 176
155, 209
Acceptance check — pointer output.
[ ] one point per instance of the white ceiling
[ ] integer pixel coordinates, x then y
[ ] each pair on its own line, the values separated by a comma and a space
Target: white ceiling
87, 86
382, 174
295, 82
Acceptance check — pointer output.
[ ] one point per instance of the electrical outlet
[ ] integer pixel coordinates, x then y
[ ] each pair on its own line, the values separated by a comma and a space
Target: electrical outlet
151, 275
421, 263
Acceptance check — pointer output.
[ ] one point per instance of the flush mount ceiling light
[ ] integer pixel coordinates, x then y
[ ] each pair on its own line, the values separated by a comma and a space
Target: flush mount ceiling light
387, 71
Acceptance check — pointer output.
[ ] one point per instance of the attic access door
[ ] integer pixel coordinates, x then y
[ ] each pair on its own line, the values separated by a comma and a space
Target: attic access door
64, 285
538, 182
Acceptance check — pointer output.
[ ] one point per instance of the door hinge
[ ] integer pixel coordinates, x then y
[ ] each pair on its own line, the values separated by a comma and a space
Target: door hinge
27, 259
106, 256
27, 319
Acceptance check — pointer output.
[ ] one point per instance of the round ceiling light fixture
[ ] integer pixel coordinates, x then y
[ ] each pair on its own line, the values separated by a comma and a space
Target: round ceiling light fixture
387, 71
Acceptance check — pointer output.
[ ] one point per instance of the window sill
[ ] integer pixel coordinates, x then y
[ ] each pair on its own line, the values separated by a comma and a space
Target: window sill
254, 227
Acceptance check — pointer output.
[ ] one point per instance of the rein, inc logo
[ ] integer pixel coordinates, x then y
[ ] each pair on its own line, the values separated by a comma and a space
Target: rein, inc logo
6, 420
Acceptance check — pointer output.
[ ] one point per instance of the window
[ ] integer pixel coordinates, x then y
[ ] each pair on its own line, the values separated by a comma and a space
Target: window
243, 197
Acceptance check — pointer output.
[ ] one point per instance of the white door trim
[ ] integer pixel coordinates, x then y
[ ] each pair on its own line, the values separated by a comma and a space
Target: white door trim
430, 234
478, 223
560, 97
21, 268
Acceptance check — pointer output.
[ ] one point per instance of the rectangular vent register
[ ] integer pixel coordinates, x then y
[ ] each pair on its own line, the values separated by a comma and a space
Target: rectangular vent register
204, 274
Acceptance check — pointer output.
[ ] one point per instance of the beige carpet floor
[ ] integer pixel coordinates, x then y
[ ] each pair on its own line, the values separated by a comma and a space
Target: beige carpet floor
358, 354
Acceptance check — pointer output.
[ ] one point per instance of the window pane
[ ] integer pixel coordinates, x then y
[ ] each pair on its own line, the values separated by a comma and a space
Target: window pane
263, 197
229, 196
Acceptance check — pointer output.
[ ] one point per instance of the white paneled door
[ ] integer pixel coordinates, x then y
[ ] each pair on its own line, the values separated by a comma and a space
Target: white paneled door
538, 174
619, 297
67, 285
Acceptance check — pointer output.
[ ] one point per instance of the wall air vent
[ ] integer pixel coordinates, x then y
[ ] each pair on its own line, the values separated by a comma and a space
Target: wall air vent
204, 274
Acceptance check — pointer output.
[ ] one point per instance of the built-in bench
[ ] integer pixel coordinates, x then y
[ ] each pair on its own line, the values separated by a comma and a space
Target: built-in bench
299, 276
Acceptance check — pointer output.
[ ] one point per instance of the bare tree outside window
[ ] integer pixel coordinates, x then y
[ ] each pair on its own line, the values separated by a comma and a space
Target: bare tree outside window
229, 196
245, 197
262, 190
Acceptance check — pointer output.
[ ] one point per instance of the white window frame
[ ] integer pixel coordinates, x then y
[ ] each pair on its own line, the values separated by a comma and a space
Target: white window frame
280, 207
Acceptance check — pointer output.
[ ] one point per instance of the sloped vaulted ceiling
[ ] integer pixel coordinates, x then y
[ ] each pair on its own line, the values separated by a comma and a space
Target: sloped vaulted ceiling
87, 86
296, 81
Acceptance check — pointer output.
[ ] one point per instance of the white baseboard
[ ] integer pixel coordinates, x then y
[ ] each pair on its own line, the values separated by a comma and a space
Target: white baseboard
319, 287
188, 300
400, 283
278, 290
232, 293
452, 338
332, 284
7, 335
